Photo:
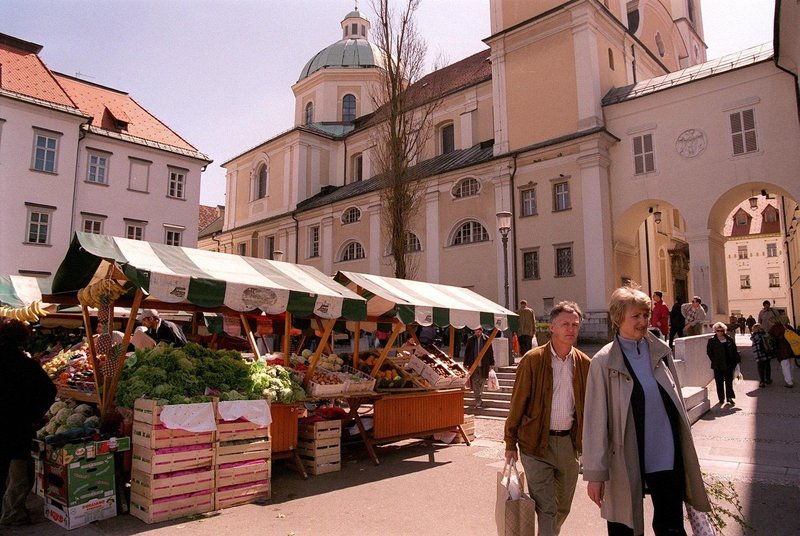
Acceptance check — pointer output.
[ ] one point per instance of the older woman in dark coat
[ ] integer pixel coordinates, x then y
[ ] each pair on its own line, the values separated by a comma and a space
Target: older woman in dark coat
721, 350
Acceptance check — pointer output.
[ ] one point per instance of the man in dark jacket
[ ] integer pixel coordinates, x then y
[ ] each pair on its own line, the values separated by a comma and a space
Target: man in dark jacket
676, 321
162, 330
25, 395
478, 379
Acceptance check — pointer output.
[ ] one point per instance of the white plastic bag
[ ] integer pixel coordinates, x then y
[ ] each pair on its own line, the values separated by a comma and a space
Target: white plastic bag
737, 374
492, 383
511, 481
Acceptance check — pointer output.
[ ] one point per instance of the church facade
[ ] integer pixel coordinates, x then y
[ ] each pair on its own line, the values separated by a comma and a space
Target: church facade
619, 150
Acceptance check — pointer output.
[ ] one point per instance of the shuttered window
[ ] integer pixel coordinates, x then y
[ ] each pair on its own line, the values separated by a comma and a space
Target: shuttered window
743, 132
644, 159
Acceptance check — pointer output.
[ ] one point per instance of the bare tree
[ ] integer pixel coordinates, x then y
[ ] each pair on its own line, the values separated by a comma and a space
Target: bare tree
404, 124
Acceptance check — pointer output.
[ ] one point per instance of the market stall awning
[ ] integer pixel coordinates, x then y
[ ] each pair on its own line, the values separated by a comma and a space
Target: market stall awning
176, 275
427, 303
21, 291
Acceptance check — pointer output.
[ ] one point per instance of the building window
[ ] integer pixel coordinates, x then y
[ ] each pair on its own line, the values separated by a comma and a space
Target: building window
528, 202
134, 231
313, 241
309, 113
564, 266
610, 59
45, 152
742, 255
469, 233
530, 264
241, 249
269, 247
177, 184
97, 168
348, 108
352, 251
643, 154
139, 177
466, 188
39, 220
770, 214
448, 135
413, 244
772, 249
744, 281
351, 215
260, 185
743, 132
357, 168
662, 50
92, 225
173, 237
561, 199
741, 218
774, 280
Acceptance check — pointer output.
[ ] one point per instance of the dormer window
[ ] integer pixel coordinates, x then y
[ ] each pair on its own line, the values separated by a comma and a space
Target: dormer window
348, 108
309, 113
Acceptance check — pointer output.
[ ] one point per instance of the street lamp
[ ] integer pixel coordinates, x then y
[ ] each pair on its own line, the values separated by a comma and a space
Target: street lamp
504, 226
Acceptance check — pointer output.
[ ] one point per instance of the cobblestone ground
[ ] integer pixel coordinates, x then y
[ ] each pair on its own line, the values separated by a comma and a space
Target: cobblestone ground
491, 429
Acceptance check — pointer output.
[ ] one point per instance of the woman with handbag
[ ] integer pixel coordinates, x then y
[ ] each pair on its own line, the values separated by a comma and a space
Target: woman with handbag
721, 350
783, 351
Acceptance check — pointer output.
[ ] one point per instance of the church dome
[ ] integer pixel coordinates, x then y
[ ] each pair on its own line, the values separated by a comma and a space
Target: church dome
353, 51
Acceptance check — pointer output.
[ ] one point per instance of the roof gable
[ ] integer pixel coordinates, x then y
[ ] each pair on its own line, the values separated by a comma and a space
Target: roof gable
24, 72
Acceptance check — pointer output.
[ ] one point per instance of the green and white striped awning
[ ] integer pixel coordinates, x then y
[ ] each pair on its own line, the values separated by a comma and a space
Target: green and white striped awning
21, 291
175, 275
427, 303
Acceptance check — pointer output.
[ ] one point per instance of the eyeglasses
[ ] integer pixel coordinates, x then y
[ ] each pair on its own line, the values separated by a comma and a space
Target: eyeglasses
720, 330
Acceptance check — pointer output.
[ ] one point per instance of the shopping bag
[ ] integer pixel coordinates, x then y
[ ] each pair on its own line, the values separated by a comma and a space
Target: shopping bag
515, 345
701, 525
793, 339
513, 517
492, 383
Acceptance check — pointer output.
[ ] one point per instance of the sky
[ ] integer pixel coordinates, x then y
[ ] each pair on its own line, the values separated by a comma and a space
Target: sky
219, 72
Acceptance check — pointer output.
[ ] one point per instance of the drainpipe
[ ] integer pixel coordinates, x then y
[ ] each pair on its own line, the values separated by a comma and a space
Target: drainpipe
296, 237
81, 135
514, 233
788, 260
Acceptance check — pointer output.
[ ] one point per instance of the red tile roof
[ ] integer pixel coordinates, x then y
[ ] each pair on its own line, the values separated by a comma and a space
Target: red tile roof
207, 216
116, 111
21, 71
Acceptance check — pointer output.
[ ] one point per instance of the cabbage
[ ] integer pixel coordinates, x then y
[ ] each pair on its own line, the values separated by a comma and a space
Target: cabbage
56, 407
76, 419
61, 429
92, 422
85, 409
62, 415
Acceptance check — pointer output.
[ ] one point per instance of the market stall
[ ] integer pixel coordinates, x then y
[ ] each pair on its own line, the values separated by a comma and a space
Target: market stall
171, 277
435, 403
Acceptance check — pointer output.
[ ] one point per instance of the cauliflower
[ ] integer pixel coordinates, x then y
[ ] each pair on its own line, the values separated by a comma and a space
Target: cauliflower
306, 353
56, 407
92, 422
85, 409
62, 415
76, 420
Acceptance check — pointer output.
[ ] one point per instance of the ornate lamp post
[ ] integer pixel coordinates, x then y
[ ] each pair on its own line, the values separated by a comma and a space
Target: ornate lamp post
504, 226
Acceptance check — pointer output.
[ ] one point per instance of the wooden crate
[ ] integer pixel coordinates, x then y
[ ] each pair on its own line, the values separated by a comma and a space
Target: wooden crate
283, 430
253, 471
157, 437
156, 510
469, 428
151, 461
320, 430
416, 413
260, 449
234, 430
319, 448
319, 467
164, 485
236, 495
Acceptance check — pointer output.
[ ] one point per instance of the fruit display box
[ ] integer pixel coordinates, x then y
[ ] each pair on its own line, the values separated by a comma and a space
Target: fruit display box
72, 517
158, 436
240, 429
79, 481
238, 494
157, 510
169, 460
231, 474
319, 446
242, 451
162, 485
72, 452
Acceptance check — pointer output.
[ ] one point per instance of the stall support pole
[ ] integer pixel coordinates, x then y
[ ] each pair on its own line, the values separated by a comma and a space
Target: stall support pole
483, 351
452, 344
356, 343
287, 343
87, 325
413, 333
324, 343
250, 338
396, 329
108, 398
315, 357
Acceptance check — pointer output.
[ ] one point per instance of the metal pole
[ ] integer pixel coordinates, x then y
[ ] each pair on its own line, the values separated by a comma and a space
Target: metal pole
505, 265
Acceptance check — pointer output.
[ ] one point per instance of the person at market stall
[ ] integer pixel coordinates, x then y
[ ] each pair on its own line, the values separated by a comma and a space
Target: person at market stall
636, 433
26, 393
478, 378
546, 418
116, 336
660, 318
527, 327
162, 330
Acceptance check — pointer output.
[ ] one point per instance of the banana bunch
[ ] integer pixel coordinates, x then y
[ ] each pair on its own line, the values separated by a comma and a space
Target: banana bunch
100, 293
31, 313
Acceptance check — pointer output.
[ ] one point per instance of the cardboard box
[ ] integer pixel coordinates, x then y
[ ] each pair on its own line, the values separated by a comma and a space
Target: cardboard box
79, 481
72, 517
72, 452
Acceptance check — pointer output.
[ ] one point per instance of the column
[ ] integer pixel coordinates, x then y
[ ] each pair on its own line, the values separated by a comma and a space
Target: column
587, 69
431, 245
375, 246
707, 270
326, 245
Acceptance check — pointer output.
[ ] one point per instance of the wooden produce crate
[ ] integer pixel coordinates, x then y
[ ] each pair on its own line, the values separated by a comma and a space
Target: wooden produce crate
156, 436
319, 446
160, 486
241, 429
235, 495
153, 462
157, 510
242, 451
469, 428
283, 430
415, 413
227, 475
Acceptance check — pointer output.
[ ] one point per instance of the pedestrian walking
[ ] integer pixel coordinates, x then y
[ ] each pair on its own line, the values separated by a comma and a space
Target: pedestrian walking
478, 378
660, 316
676, 321
750, 322
783, 351
721, 351
636, 432
546, 418
762, 354
742, 323
527, 327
